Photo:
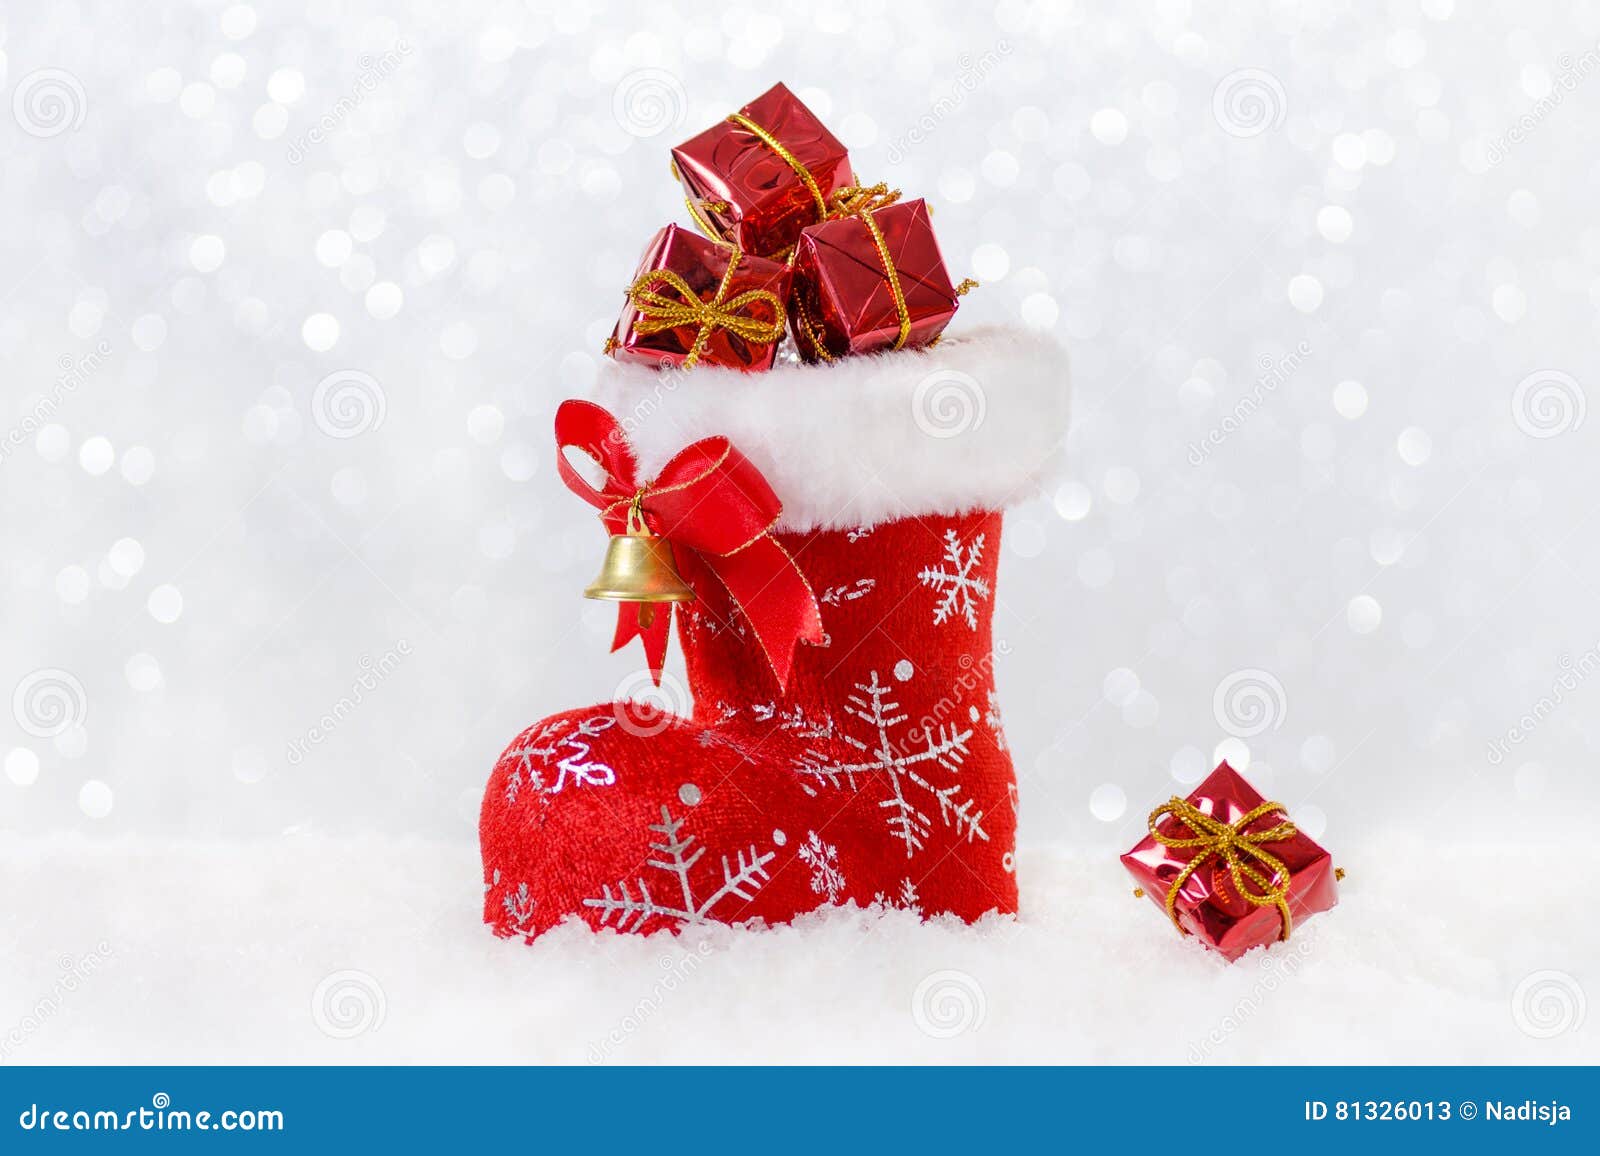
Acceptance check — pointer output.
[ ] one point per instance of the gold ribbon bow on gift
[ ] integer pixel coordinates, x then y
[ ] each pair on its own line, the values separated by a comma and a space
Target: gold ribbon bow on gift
1235, 845
853, 200
659, 311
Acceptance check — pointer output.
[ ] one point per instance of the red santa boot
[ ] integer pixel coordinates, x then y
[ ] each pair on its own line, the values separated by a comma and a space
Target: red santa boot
845, 743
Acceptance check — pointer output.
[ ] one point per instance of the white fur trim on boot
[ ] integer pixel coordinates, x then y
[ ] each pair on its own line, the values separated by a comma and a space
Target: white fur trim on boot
976, 422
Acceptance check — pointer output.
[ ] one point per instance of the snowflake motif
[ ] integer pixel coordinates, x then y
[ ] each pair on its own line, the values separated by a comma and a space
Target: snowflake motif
807, 728
992, 717
578, 765
676, 857
823, 859
960, 589
794, 719
704, 620
541, 746
905, 898
858, 534
712, 737
901, 770
849, 592
519, 911
533, 757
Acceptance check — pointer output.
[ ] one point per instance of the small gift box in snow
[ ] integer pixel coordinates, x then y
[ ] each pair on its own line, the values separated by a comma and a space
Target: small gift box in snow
1230, 868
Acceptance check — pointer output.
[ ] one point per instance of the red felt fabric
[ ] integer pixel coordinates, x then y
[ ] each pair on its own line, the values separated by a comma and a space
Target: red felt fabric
880, 775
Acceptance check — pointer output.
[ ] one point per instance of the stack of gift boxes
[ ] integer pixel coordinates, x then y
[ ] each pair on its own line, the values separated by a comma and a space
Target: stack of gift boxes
790, 242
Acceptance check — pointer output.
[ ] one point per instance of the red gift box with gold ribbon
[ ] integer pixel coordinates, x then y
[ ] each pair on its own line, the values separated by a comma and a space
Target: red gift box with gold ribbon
760, 176
1230, 868
696, 302
871, 278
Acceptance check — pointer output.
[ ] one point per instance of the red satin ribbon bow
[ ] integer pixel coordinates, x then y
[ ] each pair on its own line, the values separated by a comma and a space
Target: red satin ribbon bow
716, 512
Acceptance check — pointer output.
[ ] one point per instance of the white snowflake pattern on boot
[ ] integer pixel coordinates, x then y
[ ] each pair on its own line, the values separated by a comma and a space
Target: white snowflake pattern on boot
905, 898
900, 768
741, 880
519, 907
992, 716
823, 859
846, 592
525, 750
578, 765
960, 588
550, 741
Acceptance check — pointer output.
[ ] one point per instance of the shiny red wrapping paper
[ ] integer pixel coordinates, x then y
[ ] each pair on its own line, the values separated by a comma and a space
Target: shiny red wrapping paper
752, 196
702, 264
842, 298
1209, 906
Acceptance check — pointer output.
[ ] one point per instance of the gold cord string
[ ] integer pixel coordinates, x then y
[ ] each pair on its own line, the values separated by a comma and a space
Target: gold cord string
808, 327
701, 221
967, 286
1233, 843
787, 157
851, 200
659, 312
699, 208
893, 276
636, 513
696, 209
861, 202
858, 201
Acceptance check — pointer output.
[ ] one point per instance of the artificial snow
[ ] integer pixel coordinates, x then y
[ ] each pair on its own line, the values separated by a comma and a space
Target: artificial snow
369, 949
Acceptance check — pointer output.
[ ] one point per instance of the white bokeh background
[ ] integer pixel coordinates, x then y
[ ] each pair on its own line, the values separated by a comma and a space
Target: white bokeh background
1359, 249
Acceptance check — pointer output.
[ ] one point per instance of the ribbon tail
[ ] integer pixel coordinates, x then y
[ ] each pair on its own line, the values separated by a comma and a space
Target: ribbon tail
774, 597
654, 636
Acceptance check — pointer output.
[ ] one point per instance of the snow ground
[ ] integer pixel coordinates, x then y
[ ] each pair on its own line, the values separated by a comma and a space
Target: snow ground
368, 949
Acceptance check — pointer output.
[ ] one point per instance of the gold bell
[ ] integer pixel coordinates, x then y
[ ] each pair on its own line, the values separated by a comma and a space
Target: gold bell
638, 568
